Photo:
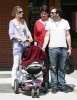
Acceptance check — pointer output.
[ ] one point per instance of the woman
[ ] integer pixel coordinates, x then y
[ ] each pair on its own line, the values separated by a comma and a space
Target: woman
39, 34
19, 34
39, 27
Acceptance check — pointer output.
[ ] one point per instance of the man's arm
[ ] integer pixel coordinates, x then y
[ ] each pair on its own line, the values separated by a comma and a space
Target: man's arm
46, 40
68, 38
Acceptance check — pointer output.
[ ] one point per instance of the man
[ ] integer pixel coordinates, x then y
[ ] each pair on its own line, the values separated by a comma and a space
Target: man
58, 37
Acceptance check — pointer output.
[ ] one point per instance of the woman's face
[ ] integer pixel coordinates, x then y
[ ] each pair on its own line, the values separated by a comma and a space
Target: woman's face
44, 15
19, 14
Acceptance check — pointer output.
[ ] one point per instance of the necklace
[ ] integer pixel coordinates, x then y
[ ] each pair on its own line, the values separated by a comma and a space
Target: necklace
18, 22
57, 23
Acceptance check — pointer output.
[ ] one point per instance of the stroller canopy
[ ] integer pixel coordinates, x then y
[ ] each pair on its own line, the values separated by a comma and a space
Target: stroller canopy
32, 54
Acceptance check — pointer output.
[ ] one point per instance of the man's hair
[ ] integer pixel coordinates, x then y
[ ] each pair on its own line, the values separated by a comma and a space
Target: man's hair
58, 10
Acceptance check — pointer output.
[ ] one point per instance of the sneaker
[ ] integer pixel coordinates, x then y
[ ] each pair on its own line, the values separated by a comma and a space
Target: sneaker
54, 90
66, 89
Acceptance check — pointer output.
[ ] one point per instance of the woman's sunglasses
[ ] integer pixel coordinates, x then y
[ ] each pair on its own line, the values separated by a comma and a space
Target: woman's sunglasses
20, 12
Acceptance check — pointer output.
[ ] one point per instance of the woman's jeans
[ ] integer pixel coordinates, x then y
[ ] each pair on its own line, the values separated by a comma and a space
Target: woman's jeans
58, 58
16, 64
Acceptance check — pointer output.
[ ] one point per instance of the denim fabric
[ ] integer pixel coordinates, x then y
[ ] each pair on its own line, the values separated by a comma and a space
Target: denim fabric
58, 58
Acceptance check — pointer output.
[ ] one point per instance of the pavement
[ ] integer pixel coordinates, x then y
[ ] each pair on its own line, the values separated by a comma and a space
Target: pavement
7, 93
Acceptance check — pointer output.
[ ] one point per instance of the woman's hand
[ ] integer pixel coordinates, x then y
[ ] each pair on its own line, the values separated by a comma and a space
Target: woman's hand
30, 39
43, 49
26, 40
35, 43
23, 40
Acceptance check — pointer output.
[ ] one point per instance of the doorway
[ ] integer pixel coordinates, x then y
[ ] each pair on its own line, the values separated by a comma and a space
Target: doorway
34, 11
69, 9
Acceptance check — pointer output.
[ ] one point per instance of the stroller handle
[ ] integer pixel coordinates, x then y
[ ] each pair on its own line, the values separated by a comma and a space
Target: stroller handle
33, 43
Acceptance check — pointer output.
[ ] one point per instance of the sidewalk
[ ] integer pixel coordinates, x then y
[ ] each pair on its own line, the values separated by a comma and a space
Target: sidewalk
6, 80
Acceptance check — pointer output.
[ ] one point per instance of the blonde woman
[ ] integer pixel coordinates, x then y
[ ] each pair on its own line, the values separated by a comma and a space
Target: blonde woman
19, 33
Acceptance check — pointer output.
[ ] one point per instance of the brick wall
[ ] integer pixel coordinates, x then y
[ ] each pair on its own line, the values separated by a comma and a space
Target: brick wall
6, 7
74, 54
5, 43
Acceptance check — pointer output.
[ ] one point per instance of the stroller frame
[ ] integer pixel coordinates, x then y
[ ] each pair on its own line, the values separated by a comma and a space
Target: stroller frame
29, 80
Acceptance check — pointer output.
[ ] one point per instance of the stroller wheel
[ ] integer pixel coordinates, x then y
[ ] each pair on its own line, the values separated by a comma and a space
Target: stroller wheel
37, 93
46, 88
16, 86
32, 92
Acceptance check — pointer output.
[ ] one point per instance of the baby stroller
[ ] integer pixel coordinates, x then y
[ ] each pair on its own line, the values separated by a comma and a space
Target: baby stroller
32, 66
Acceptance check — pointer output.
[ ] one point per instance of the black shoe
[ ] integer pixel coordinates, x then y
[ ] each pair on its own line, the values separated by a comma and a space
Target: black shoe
70, 88
54, 90
66, 89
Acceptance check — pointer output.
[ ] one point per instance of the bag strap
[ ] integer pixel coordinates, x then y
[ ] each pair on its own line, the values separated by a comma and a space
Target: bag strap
17, 29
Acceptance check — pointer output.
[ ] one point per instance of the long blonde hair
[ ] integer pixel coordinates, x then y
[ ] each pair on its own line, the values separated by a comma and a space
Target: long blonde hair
16, 10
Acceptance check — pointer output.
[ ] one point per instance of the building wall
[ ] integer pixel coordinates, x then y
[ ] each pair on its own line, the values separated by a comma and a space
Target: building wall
74, 54
6, 60
6, 7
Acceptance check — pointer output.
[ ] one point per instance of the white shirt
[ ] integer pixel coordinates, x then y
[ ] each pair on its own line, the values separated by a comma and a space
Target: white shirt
57, 31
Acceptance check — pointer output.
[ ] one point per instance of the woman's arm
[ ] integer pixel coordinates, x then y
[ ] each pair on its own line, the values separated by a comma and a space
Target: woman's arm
46, 40
19, 39
12, 34
35, 34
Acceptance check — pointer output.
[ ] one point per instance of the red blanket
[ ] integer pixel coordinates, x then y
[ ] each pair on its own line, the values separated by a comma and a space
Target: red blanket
33, 53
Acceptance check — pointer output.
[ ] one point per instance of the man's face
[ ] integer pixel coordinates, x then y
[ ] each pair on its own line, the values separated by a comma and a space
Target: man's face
53, 13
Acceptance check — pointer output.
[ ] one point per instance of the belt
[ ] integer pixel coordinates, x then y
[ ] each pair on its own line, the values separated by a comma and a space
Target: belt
59, 48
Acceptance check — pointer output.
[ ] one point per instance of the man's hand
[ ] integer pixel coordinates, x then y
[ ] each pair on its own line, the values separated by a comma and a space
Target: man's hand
69, 51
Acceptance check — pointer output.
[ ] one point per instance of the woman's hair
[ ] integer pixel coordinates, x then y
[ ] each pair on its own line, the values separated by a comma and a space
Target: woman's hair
16, 10
44, 8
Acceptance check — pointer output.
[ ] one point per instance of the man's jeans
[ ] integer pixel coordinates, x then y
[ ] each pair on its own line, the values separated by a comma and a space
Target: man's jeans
58, 58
